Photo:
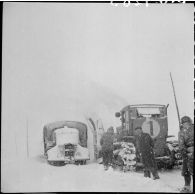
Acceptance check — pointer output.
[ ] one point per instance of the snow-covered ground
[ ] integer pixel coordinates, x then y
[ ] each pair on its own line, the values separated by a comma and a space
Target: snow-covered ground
35, 175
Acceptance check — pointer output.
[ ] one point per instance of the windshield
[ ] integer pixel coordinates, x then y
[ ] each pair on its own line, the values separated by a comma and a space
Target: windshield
148, 111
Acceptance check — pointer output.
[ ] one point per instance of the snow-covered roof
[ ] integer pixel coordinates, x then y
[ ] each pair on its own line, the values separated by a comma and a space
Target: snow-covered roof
51, 127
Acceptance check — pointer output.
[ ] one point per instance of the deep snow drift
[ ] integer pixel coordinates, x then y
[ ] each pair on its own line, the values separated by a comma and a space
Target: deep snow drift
35, 175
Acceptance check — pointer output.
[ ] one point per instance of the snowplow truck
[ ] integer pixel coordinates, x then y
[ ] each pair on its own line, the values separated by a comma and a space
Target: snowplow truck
65, 142
153, 120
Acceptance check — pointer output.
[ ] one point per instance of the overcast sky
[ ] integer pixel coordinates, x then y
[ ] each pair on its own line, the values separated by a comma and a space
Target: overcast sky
63, 60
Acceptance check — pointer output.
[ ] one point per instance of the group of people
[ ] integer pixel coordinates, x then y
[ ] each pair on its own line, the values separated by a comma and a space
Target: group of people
145, 146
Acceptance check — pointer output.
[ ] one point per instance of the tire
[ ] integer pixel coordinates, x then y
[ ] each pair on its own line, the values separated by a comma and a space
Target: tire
171, 154
80, 162
170, 166
172, 163
84, 162
56, 163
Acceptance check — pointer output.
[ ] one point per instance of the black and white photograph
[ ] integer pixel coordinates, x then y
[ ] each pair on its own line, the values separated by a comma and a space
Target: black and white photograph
97, 97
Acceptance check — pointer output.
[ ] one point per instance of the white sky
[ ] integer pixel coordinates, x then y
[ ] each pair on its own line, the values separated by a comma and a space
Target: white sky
63, 59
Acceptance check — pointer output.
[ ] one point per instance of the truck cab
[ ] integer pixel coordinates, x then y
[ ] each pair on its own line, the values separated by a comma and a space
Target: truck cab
153, 120
65, 142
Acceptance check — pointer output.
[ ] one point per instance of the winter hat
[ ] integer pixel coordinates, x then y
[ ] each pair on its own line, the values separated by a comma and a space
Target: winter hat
138, 128
186, 119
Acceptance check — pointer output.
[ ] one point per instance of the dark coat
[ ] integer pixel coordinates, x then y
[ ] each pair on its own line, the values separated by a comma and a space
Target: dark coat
186, 141
145, 147
186, 146
107, 141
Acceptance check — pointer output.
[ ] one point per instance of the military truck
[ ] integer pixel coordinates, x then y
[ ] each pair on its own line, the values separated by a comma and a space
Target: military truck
65, 142
153, 120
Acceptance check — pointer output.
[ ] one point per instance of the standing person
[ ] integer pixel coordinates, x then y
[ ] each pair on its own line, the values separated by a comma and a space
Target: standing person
107, 147
145, 147
186, 146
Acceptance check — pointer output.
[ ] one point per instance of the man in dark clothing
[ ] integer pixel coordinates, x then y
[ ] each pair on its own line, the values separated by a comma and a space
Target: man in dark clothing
145, 147
107, 147
186, 146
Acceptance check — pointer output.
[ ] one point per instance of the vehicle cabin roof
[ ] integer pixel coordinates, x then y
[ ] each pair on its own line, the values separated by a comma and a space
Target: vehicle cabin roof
61, 124
50, 128
143, 106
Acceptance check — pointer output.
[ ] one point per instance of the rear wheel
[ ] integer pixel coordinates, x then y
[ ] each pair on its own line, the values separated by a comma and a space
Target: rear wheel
80, 162
170, 166
56, 163
165, 163
176, 155
84, 162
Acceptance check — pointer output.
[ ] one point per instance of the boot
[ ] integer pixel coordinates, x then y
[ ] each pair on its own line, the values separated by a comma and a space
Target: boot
147, 173
155, 174
187, 179
106, 167
186, 189
156, 177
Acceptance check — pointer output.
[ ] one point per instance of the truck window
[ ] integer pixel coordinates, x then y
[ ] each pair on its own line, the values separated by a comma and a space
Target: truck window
133, 113
127, 120
148, 112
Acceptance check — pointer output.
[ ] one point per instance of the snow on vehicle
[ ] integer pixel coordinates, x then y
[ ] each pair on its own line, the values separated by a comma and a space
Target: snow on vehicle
65, 142
124, 156
153, 120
